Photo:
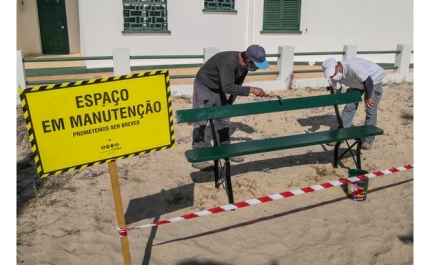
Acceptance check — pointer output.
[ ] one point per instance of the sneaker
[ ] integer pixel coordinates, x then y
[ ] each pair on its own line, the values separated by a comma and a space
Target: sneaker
237, 159
203, 166
332, 144
367, 145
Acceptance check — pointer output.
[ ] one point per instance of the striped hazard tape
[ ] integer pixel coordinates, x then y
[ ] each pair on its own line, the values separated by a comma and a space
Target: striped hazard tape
269, 198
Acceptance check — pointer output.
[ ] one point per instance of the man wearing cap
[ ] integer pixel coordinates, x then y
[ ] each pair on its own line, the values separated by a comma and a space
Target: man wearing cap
224, 73
359, 75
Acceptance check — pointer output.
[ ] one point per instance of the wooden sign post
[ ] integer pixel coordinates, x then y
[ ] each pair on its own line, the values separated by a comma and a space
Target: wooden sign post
119, 211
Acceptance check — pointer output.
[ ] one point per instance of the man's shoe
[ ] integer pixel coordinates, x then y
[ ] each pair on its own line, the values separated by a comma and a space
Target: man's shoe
237, 159
203, 166
367, 145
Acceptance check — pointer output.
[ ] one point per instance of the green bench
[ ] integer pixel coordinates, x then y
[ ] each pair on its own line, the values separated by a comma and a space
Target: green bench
219, 152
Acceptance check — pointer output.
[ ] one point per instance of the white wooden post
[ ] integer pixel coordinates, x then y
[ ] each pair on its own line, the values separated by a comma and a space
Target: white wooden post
208, 52
403, 59
20, 73
350, 52
285, 63
121, 61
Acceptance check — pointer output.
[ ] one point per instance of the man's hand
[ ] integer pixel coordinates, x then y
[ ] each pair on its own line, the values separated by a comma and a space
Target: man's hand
258, 92
369, 103
335, 90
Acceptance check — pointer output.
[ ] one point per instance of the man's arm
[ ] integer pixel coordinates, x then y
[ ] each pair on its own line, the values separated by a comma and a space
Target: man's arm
226, 73
368, 89
226, 70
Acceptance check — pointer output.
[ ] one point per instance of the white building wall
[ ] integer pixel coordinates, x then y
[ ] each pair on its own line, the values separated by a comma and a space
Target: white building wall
72, 13
326, 26
21, 41
190, 28
95, 28
330, 24
28, 33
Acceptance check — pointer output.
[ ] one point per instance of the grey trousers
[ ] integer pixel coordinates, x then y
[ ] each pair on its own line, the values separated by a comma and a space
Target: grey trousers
204, 97
349, 111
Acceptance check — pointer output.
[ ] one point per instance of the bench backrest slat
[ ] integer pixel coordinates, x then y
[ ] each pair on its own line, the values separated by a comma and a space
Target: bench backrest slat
192, 115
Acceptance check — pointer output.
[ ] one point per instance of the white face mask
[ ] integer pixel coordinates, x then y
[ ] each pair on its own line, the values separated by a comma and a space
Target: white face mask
338, 76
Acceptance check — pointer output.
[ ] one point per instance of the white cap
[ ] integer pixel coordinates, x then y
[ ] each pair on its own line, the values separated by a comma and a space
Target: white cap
329, 66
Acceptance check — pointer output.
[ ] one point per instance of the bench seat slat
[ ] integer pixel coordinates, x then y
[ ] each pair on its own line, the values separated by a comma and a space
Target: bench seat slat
227, 111
280, 143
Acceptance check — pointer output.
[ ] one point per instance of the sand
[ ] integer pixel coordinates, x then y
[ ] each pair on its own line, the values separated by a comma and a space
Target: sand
71, 219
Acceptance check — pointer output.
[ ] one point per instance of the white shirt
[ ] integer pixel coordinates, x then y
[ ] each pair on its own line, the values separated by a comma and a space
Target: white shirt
356, 71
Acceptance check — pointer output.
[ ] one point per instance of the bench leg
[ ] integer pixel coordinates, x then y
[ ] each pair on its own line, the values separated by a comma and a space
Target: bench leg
357, 161
336, 155
216, 162
216, 173
359, 143
228, 181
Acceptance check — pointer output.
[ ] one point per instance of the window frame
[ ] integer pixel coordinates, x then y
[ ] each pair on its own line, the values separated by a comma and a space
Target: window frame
207, 10
142, 3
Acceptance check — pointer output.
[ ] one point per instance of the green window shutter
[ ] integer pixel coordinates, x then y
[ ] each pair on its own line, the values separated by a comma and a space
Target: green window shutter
291, 15
281, 15
272, 15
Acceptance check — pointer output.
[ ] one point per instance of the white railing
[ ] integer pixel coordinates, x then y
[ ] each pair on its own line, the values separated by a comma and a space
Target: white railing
285, 66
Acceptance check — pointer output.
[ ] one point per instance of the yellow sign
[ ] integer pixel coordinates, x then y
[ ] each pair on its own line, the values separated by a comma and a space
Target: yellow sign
86, 123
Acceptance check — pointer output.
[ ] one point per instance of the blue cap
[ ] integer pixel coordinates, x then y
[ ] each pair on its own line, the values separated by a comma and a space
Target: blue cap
257, 55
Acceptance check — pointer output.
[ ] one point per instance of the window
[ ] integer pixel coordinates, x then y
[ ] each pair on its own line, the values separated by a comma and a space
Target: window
281, 16
219, 6
145, 16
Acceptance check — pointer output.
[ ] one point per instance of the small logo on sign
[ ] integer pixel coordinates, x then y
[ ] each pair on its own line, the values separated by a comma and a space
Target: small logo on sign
107, 146
110, 147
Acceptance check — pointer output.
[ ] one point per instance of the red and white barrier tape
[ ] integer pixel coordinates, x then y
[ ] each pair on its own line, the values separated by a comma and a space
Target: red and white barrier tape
273, 197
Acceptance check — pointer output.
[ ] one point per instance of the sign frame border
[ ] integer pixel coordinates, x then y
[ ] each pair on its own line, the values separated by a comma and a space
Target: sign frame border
31, 134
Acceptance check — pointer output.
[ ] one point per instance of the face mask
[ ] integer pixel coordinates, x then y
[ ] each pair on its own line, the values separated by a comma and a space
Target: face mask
250, 67
338, 76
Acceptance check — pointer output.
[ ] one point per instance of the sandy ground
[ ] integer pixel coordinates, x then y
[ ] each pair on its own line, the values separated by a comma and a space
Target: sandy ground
71, 219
